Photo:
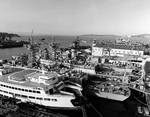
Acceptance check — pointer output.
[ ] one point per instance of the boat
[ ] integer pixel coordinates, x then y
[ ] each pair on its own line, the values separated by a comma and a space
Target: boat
38, 87
110, 84
112, 91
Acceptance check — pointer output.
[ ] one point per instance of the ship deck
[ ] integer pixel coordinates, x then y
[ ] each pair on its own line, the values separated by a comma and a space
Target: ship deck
18, 77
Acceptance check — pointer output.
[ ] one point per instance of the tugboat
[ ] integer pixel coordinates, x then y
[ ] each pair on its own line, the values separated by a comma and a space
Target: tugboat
110, 84
112, 90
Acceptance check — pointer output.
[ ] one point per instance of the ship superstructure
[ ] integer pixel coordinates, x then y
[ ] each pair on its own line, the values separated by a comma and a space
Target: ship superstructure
112, 90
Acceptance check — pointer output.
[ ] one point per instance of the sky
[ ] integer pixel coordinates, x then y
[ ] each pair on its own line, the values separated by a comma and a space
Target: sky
75, 17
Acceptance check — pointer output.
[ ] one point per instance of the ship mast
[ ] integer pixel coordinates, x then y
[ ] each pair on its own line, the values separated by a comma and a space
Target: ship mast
32, 42
33, 49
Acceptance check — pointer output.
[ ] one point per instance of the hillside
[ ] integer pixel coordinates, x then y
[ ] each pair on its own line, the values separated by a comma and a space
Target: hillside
144, 38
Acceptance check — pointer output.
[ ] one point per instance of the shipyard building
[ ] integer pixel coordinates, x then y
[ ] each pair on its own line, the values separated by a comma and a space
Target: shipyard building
117, 49
118, 52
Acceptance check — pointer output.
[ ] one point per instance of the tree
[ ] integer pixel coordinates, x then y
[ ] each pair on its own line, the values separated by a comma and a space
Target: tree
24, 59
7, 36
46, 54
147, 46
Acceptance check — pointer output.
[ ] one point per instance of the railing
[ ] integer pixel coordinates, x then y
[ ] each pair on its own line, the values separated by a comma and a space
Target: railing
113, 90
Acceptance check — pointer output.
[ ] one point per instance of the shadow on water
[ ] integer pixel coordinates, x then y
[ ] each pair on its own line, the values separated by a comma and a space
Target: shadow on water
97, 107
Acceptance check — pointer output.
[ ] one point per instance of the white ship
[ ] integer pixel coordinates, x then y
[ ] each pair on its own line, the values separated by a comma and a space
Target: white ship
111, 91
36, 87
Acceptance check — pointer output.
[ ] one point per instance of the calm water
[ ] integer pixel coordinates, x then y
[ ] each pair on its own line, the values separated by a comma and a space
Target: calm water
7, 53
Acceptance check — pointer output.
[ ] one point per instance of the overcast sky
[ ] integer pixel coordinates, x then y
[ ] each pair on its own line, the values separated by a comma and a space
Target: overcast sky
75, 16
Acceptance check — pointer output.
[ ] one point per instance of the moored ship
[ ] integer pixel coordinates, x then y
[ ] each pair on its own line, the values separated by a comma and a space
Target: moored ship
38, 87
112, 91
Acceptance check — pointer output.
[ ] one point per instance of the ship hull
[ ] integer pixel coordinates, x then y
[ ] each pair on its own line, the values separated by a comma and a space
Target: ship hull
63, 111
111, 96
57, 102
26, 101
